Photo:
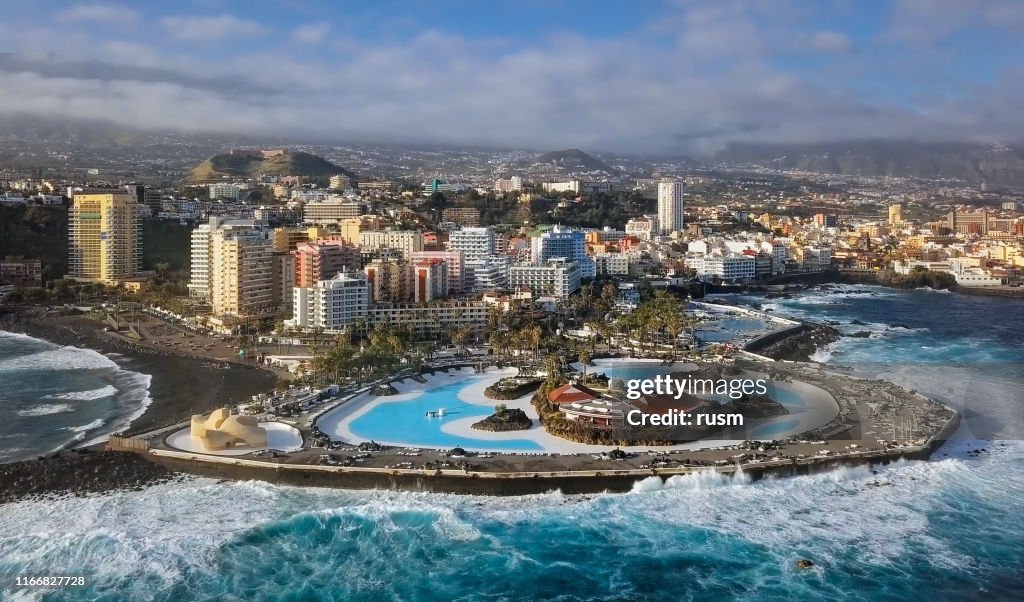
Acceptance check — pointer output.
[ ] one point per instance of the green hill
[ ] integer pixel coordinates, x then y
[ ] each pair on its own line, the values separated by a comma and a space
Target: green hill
42, 232
574, 159
246, 165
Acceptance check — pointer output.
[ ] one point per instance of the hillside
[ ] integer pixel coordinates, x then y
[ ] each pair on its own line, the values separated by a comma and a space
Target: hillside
290, 163
974, 163
573, 159
38, 231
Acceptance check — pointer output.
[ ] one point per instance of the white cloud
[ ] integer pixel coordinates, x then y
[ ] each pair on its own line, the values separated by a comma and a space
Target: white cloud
97, 13
210, 29
313, 33
714, 76
831, 41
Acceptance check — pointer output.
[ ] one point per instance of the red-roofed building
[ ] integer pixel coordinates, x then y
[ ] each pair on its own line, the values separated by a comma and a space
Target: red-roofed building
571, 393
582, 404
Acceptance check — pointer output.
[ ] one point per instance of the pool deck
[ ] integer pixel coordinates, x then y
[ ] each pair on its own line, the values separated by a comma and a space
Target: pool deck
865, 415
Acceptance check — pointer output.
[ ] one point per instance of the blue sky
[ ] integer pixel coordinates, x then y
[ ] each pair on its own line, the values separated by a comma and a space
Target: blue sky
642, 76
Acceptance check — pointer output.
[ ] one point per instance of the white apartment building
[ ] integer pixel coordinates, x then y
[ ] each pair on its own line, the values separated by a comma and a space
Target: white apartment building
199, 282
558, 277
779, 256
731, 268
405, 241
332, 211
611, 264
670, 206
570, 186
223, 190
332, 305
567, 244
644, 228
475, 243
488, 274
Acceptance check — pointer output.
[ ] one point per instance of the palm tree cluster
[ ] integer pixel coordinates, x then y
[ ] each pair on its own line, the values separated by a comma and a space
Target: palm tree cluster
516, 344
663, 315
378, 355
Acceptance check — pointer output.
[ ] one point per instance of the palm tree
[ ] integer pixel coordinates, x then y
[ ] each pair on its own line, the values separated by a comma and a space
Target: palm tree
675, 324
584, 358
533, 334
460, 336
553, 367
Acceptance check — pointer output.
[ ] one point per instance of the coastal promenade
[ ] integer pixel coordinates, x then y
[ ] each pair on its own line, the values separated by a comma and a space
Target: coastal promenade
524, 482
877, 422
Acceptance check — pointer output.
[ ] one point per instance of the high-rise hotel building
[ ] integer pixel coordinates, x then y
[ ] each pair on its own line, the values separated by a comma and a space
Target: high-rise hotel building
670, 206
233, 267
242, 273
104, 236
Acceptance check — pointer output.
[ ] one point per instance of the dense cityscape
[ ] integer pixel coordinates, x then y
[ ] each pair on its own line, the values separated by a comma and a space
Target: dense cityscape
673, 300
267, 247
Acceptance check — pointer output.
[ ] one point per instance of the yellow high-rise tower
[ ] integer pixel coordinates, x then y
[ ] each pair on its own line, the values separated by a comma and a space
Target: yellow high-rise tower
104, 236
895, 215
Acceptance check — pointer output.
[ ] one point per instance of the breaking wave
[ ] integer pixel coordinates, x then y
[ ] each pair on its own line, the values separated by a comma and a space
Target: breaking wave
46, 410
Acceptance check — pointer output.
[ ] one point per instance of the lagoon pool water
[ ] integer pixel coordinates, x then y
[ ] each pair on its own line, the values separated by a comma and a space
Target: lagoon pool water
732, 329
766, 428
407, 421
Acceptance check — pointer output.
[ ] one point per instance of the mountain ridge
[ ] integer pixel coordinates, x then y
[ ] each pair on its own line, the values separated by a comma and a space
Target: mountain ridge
249, 164
574, 157
994, 164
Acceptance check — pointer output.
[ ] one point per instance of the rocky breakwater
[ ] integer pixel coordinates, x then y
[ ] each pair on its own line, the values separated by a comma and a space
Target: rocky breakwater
504, 419
800, 345
512, 387
79, 473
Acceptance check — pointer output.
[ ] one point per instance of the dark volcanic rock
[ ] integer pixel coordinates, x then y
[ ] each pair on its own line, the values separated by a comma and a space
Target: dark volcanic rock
862, 334
78, 473
511, 419
801, 345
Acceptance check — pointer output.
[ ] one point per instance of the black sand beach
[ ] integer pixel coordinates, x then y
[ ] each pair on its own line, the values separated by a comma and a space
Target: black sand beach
181, 386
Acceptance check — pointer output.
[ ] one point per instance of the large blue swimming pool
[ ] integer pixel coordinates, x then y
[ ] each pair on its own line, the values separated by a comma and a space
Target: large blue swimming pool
406, 422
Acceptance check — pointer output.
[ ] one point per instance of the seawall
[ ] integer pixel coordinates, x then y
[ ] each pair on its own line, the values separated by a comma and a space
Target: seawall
512, 483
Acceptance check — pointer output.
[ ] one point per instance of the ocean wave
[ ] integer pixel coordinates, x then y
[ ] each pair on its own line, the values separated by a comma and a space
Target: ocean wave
4, 334
855, 523
94, 394
63, 358
95, 424
698, 481
45, 410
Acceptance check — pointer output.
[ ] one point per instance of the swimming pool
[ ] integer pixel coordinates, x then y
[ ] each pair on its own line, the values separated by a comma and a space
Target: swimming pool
406, 421
732, 329
801, 417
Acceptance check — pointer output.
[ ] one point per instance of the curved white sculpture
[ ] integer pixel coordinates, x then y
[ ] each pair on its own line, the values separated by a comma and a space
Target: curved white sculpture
221, 430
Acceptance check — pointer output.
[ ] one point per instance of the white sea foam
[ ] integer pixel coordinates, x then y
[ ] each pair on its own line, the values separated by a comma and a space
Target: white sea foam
821, 355
151, 533
46, 410
63, 358
95, 424
94, 394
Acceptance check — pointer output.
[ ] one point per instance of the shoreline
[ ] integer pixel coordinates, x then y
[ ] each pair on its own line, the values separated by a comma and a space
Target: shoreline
179, 387
508, 474
854, 278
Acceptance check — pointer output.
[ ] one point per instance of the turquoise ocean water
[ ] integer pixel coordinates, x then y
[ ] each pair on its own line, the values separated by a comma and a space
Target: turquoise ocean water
948, 529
